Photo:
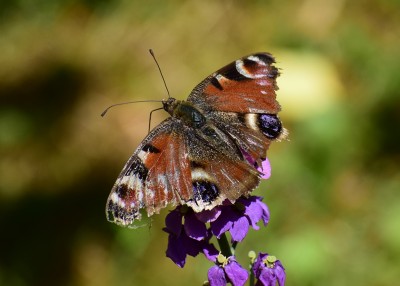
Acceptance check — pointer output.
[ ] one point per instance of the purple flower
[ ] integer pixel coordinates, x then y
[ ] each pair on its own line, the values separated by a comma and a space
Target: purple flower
226, 271
188, 233
237, 218
268, 270
264, 169
191, 238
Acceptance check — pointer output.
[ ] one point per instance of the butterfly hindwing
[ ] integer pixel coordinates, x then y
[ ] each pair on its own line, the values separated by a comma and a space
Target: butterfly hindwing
252, 132
240, 99
218, 169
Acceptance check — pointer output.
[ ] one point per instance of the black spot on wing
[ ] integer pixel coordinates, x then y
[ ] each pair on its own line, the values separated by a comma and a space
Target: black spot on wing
230, 72
150, 148
138, 168
204, 191
215, 82
194, 164
266, 58
122, 191
270, 125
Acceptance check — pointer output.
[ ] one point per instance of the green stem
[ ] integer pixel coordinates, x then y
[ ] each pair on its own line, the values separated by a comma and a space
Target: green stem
234, 244
252, 256
223, 243
252, 279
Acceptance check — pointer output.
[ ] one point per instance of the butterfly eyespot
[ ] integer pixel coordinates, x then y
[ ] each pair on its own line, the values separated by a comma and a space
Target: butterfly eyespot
204, 191
270, 125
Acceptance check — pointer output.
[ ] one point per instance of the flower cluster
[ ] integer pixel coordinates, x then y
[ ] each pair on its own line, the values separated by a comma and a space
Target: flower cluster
190, 234
265, 268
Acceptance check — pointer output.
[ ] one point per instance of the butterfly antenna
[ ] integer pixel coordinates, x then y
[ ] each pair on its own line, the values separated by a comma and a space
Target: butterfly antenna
148, 131
162, 76
128, 102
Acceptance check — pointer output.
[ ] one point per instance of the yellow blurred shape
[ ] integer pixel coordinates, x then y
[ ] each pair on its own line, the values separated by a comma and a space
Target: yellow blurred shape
309, 84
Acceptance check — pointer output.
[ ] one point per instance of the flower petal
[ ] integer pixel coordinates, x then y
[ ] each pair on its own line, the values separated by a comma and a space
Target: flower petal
191, 246
216, 276
253, 210
224, 221
239, 229
247, 156
208, 215
265, 214
265, 169
236, 273
280, 273
175, 251
210, 252
267, 277
195, 228
173, 222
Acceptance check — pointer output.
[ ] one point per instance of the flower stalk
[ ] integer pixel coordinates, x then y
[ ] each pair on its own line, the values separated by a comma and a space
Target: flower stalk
226, 249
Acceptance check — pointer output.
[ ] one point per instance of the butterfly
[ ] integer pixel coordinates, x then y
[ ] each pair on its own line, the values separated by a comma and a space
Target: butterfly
199, 156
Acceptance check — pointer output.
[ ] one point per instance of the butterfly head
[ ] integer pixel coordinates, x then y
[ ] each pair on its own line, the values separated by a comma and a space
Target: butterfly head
170, 104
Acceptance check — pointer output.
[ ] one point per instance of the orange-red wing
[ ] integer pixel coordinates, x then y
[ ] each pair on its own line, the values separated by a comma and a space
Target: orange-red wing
169, 178
157, 174
246, 85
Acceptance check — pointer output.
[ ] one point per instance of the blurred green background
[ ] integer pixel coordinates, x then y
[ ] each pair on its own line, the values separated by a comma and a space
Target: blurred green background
334, 191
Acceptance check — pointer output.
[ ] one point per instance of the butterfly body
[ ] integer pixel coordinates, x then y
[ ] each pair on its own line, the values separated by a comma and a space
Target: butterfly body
185, 112
199, 155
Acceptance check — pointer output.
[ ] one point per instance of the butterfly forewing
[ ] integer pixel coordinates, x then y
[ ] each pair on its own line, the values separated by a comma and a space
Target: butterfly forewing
246, 85
150, 179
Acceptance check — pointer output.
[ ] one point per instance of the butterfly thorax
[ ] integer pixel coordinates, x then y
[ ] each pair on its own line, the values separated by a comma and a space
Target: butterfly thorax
184, 111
